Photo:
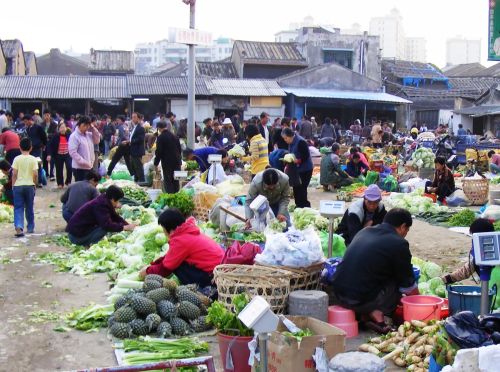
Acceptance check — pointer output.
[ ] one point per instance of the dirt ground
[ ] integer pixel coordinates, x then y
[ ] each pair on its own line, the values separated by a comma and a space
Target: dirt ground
28, 286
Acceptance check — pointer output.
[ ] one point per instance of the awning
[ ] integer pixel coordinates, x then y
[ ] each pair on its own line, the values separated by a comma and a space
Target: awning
478, 111
346, 94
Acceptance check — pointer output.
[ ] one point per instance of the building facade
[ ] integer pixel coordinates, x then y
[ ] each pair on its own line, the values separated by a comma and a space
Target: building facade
150, 56
392, 37
416, 49
460, 50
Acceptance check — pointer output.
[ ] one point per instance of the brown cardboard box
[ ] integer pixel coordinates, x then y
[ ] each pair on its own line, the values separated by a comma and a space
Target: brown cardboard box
285, 354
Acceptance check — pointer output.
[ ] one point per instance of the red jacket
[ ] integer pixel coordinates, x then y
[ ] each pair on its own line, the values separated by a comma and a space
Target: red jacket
188, 244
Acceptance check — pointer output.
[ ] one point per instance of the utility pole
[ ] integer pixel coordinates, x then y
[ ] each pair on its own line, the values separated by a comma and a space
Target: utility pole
191, 79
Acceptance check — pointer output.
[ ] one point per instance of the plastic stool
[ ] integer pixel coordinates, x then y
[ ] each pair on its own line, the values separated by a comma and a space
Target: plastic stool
344, 319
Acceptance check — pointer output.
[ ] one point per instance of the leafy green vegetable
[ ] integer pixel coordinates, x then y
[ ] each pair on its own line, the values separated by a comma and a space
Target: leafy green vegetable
463, 218
305, 217
192, 165
299, 335
227, 322
180, 200
90, 318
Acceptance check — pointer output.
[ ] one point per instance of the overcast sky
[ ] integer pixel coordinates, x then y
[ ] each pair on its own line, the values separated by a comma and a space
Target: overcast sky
120, 24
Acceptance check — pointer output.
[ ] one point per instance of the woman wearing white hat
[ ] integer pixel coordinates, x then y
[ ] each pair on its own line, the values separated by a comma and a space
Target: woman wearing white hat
228, 131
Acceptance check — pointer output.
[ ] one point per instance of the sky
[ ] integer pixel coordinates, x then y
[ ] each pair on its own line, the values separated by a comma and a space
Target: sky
121, 24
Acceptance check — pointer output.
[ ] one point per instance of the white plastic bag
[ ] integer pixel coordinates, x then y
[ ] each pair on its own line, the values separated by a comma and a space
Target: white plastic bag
492, 212
293, 248
219, 174
457, 199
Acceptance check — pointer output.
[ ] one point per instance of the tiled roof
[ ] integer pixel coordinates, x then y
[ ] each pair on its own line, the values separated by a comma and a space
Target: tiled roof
112, 60
10, 47
163, 85
493, 71
63, 87
268, 52
406, 69
57, 63
245, 87
466, 69
222, 70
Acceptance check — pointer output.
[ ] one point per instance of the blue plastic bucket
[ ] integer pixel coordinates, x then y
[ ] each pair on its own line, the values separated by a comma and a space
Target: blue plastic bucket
466, 297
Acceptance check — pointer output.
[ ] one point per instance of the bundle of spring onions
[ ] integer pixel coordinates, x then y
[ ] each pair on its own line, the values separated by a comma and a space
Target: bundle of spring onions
150, 350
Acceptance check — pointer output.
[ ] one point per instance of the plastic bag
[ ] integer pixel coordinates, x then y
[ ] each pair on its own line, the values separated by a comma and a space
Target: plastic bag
219, 174
492, 212
241, 254
457, 199
293, 248
465, 330
371, 178
338, 244
390, 184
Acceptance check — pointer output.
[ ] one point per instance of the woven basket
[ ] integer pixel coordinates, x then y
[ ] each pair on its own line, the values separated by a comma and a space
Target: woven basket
476, 190
203, 203
302, 278
270, 283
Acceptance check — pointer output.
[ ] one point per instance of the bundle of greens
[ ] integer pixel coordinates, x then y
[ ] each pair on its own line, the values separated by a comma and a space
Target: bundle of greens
226, 321
463, 218
181, 200
90, 318
305, 217
192, 165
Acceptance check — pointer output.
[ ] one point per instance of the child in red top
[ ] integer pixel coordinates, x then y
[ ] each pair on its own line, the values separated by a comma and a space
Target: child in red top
191, 256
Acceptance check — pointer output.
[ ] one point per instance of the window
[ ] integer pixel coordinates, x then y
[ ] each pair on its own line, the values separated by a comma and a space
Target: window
342, 57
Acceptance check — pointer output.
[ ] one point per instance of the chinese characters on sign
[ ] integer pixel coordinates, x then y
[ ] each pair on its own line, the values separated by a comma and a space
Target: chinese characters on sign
190, 36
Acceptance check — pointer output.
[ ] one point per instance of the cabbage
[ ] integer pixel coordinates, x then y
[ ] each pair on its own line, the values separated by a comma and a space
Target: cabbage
432, 270
434, 283
441, 291
160, 239
423, 288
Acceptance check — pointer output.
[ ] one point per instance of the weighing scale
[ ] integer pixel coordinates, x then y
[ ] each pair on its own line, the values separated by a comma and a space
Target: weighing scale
180, 176
331, 209
214, 159
486, 249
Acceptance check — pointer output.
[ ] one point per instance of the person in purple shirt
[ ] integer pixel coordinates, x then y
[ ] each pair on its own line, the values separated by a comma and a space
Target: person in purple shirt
97, 217
201, 156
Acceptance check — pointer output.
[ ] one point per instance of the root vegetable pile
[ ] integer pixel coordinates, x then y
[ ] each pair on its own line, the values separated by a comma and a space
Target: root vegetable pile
411, 345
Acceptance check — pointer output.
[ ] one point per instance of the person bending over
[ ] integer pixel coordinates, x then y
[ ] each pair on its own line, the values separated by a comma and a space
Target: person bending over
192, 256
97, 217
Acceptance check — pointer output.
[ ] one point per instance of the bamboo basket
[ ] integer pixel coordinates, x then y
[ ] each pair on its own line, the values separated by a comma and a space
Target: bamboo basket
271, 283
203, 203
476, 190
302, 278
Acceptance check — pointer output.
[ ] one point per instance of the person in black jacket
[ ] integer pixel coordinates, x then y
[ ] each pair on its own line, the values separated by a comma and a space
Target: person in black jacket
137, 147
168, 151
376, 270
38, 139
58, 153
50, 127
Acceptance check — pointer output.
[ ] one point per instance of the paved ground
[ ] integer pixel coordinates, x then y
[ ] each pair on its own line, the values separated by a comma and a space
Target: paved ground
28, 286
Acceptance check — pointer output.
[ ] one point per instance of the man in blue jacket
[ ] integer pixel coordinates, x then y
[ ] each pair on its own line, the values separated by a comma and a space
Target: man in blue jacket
201, 156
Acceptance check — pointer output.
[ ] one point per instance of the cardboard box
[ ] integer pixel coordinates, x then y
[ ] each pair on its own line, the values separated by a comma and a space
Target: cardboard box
285, 354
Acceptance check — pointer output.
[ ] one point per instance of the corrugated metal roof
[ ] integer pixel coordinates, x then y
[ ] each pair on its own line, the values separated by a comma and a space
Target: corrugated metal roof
477, 111
285, 53
405, 69
164, 85
112, 60
246, 87
63, 87
465, 69
222, 70
10, 48
343, 94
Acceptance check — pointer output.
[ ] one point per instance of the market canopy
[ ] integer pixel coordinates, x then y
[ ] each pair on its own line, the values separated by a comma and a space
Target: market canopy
346, 94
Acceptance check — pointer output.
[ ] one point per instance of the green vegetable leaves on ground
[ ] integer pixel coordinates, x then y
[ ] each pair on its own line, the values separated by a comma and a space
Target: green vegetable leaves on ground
90, 318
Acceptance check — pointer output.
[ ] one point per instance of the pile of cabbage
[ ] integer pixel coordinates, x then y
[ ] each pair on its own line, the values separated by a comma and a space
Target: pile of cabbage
423, 157
414, 202
430, 282
138, 215
120, 253
6, 213
237, 151
302, 218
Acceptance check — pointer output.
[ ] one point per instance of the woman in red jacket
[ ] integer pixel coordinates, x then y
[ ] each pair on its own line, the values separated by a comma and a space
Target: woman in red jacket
191, 256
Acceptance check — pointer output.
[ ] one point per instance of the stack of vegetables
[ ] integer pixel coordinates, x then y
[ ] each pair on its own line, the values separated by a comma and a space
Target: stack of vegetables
6, 213
237, 151
181, 200
430, 282
137, 215
133, 192
423, 157
162, 307
304, 217
113, 254
420, 206
412, 345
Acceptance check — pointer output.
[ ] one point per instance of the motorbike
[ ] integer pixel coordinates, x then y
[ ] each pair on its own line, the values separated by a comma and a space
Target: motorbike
444, 148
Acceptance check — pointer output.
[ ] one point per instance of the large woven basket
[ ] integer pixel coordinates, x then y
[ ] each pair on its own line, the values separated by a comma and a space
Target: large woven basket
476, 190
302, 278
270, 283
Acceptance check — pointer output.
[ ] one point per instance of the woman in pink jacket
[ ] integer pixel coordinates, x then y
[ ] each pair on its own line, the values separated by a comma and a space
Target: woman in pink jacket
81, 147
